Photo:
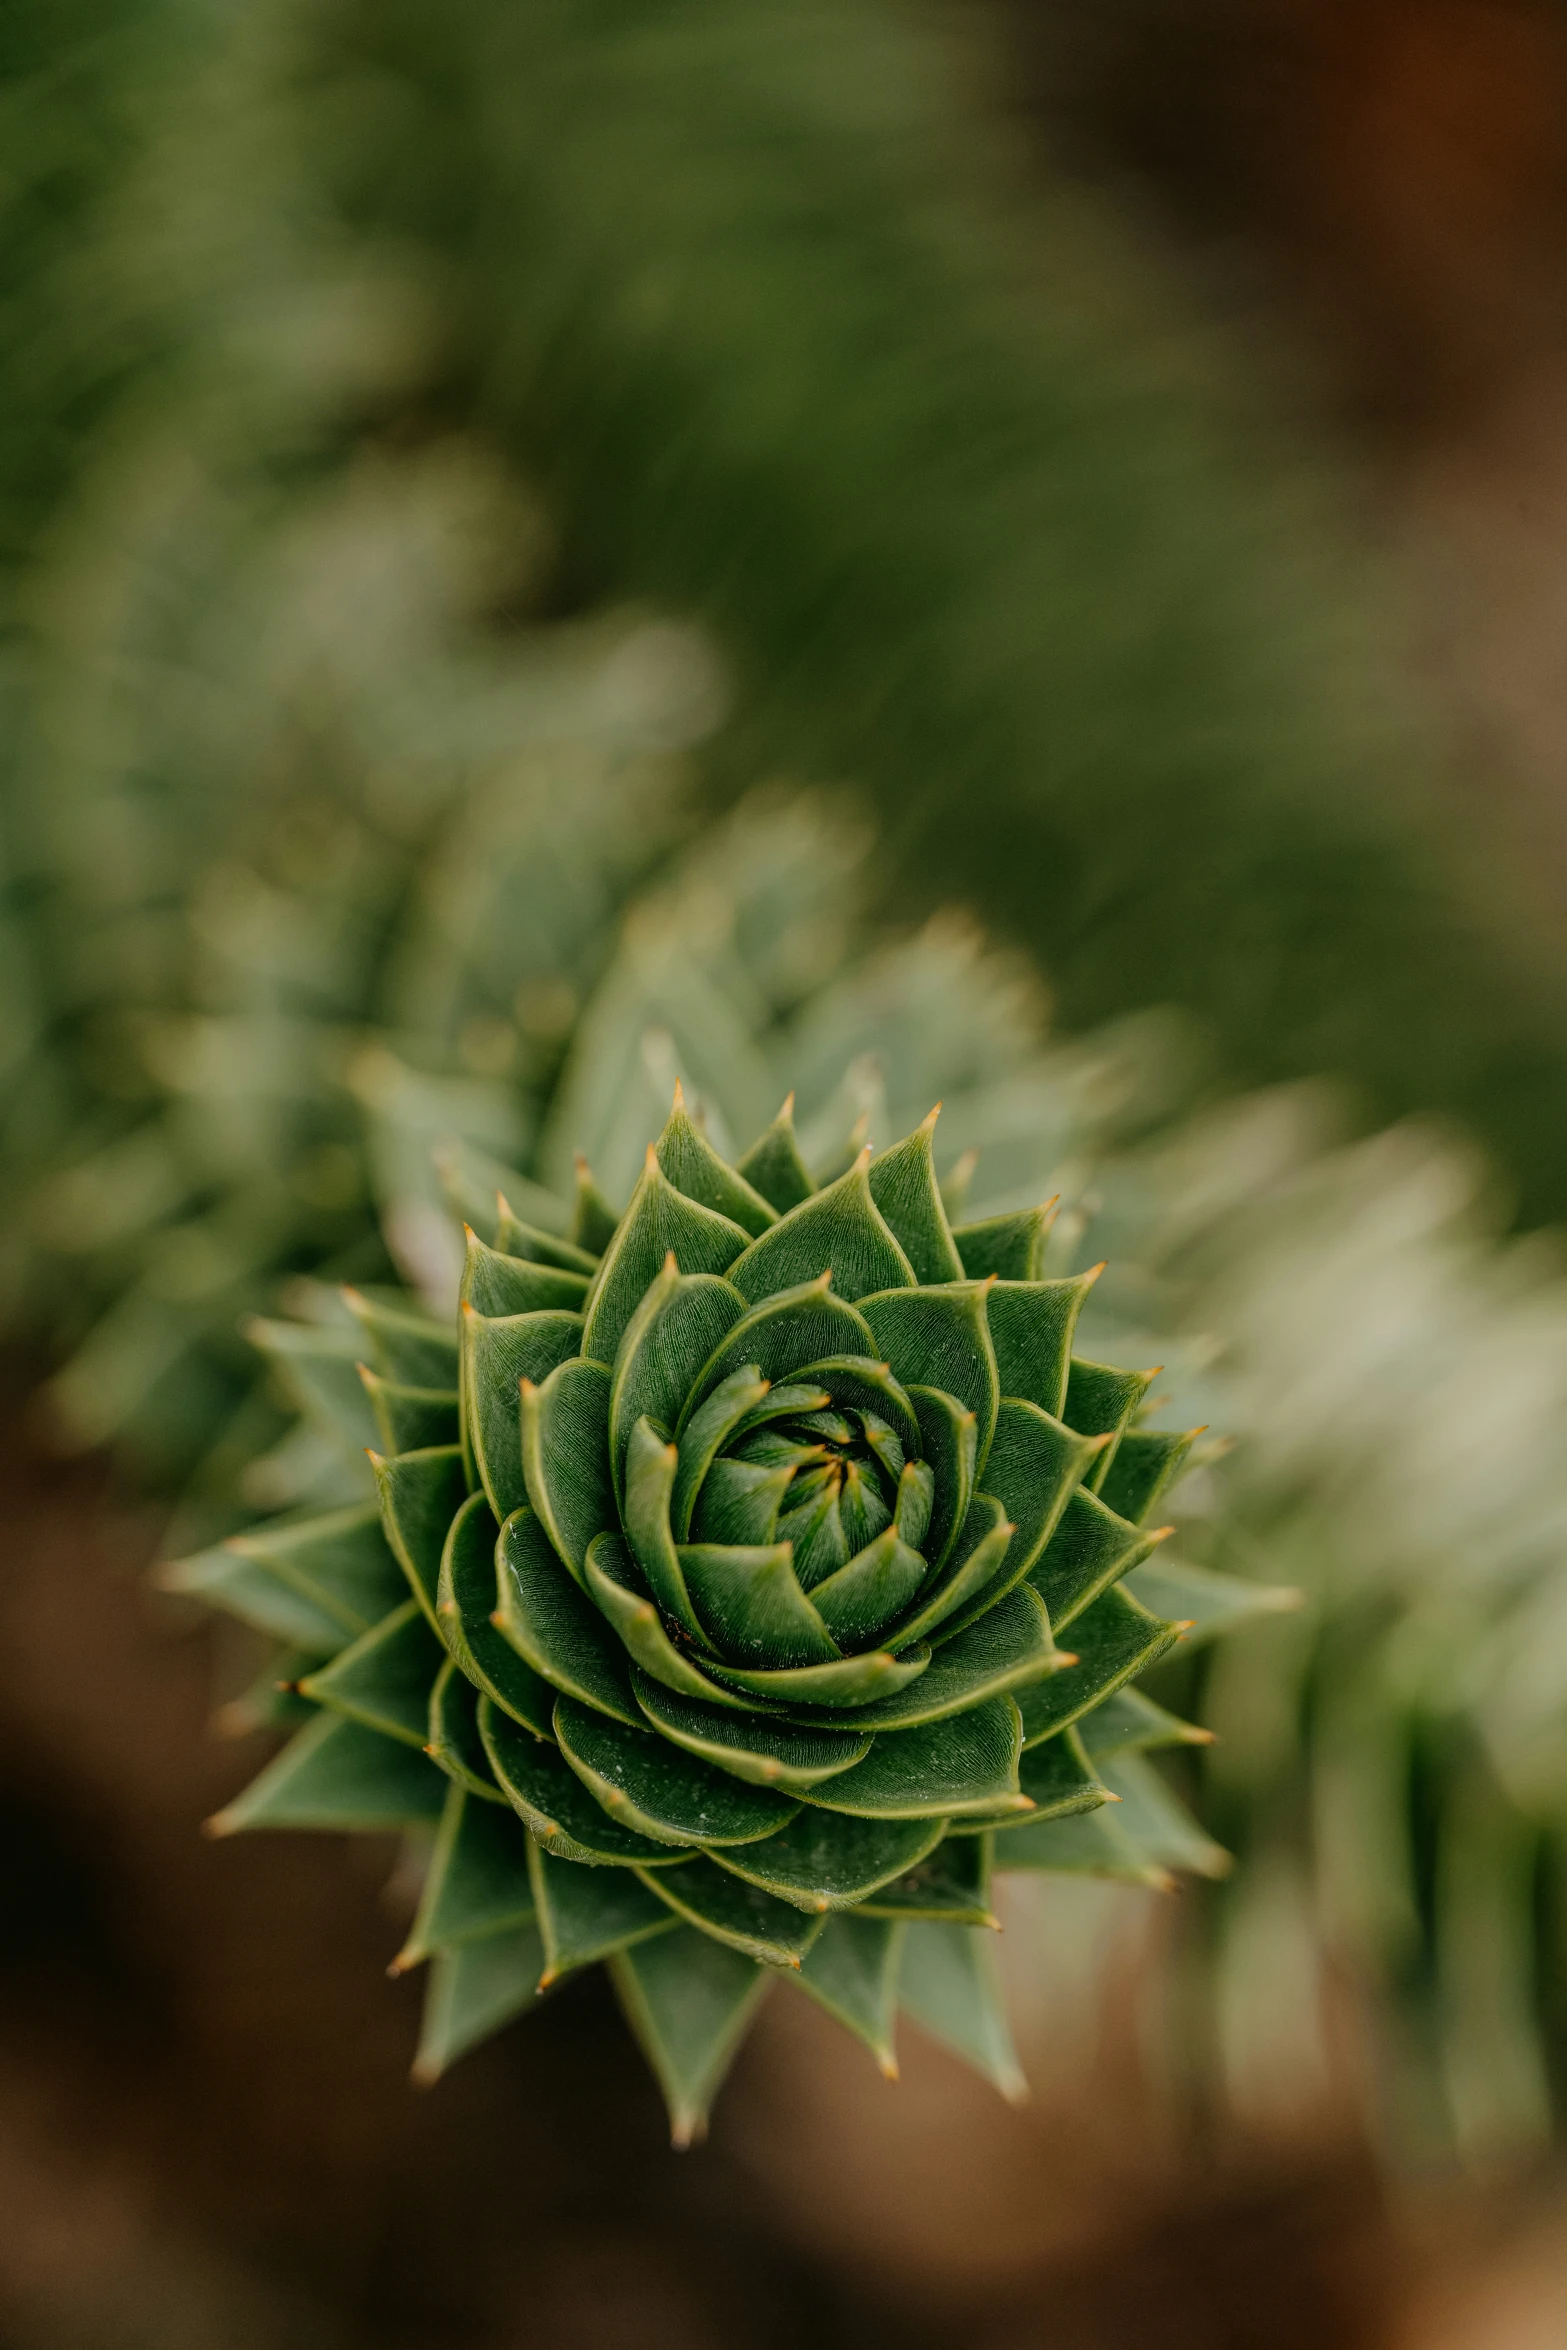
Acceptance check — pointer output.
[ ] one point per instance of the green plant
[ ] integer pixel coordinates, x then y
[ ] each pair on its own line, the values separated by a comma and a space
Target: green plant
719, 1556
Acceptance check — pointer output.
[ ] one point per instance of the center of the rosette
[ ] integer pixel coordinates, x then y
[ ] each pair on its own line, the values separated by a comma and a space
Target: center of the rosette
835, 1474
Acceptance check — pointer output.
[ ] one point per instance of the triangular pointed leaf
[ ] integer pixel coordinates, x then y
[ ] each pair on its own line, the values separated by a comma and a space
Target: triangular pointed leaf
839, 1231
1031, 1327
466, 1606
659, 1791
774, 1933
949, 1985
454, 1744
421, 1493
965, 1762
681, 1319
851, 1970
689, 2000
904, 1187
803, 1325
477, 1881
1090, 1549
383, 1679
587, 1914
337, 1774
953, 1883
497, 1355
624, 1598
941, 1338
552, 1625
1114, 1638
827, 1861
565, 1457
759, 1747
659, 1222
1012, 1247
473, 1991
773, 1165
552, 1801
694, 1167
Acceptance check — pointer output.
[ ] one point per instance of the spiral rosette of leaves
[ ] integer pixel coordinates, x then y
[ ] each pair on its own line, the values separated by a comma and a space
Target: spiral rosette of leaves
764, 1553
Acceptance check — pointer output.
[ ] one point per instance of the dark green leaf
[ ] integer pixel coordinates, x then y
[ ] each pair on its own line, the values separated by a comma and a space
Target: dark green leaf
1100, 1401
804, 1325
949, 1440
338, 1774
454, 1744
858, 1602
774, 1933
825, 1860
474, 1989
964, 1587
1031, 1326
411, 1418
467, 1609
709, 1428
660, 1220
750, 1746
939, 1338
949, 1985
903, 1185
857, 1384
404, 1345
1012, 1247
515, 1238
384, 1679
838, 1231
658, 1790
953, 1882
853, 1681
773, 1165
681, 1319
651, 1466
694, 1167
421, 1493
500, 1287
1090, 1549
557, 1808
1035, 1465
1114, 1639
585, 1914
1003, 1650
552, 1625
617, 1585
966, 1762
751, 1604
1059, 1781
477, 1881
689, 2000
739, 1502
593, 1220
1145, 1464
496, 1356
565, 1457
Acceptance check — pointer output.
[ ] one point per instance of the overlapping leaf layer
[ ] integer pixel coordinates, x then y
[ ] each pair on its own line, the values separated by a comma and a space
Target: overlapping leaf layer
750, 1566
